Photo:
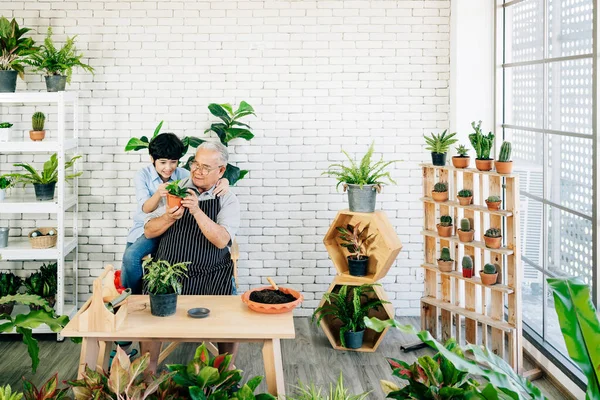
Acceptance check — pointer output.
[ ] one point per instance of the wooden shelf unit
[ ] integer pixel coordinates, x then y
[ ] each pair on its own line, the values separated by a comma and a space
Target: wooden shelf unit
448, 297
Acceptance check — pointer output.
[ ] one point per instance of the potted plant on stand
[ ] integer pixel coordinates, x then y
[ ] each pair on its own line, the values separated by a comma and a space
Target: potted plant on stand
350, 307
362, 180
6, 182
465, 197
440, 192
177, 192
5, 131
465, 233
493, 203
489, 274
483, 146
445, 262
14, 49
162, 281
9, 286
493, 238
444, 228
504, 165
37, 133
439, 145
354, 239
467, 267
57, 64
462, 160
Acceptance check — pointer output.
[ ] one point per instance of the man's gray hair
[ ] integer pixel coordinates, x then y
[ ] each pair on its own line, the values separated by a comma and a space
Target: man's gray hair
219, 148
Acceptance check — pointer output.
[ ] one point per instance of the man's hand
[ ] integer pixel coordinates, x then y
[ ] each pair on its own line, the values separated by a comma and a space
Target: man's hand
174, 213
191, 202
161, 190
222, 187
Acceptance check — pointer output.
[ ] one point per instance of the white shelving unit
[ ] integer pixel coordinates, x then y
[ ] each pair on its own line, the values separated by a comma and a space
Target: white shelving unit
19, 249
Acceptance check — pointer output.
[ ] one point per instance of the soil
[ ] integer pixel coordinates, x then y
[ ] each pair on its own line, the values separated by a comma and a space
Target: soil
268, 296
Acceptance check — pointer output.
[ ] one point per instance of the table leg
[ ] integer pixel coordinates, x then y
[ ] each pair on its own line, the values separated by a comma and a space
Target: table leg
90, 350
154, 349
273, 367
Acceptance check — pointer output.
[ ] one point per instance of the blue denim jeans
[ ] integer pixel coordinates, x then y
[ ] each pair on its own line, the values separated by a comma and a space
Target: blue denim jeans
131, 269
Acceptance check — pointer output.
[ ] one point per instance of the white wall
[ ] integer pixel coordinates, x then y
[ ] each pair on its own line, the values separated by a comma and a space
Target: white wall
321, 75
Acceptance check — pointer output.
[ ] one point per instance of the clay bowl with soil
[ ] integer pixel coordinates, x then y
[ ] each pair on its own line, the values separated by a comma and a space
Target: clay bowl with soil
269, 301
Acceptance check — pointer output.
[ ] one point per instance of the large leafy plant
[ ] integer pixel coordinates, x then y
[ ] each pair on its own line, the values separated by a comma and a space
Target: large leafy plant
163, 278
43, 283
441, 142
14, 48
350, 306
49, 173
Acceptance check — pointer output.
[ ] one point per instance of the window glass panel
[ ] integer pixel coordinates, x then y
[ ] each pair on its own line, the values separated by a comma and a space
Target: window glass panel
531, 220
524, 34
528, 160
552, 332
532, 297
569, 27
524, 94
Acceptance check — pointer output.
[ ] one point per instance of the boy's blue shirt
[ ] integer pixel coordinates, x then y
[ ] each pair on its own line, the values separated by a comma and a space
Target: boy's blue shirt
146, 182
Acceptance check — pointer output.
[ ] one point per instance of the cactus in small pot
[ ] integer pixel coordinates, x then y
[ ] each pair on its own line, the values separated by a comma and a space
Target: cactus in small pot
489, 274
37, 124
462, 160
493, 238
445, 262
493, 202
440, 191
504, 165
467, 267
465, 233
465, 197
444, 228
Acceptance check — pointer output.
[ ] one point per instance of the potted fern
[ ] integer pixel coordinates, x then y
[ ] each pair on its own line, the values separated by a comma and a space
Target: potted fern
483, 146
462, 160
176, 192
14, 50
438, 145
37, 134
9, 286
362, 180
162, 282
350, 307
504, 165
354, 239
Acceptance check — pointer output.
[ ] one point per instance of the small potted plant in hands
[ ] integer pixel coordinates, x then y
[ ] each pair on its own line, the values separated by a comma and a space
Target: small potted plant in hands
445, 262
9, 286
465, 233
493, 203
439, 145
467, 267
177, 192
462, 160
504, 165
5, 131
6, 182
37, 133
444, 228
489, 274
465, 197
354, 239
440, 192
483, 146
162, 281
493, 238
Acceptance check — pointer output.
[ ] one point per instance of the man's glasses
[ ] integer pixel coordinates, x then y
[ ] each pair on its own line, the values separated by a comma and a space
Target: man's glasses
204, 169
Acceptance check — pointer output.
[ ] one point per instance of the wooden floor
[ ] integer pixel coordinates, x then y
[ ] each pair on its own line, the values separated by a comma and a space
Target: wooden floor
309, 358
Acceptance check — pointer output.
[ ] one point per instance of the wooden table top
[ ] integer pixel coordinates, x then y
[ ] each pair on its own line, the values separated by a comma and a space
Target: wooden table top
229, 318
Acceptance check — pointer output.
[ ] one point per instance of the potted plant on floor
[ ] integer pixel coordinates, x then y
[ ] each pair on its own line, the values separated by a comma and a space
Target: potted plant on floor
14, 50
57, 64
362, 180
9, 286
5, 128
445, 262
444, 228
440, 192
493, 238
356, 240
37, 133
6, 182
493, 203
489, 274
465, 233
176, 193
465, 197
44, 183
162, 282
504, 165
483, 146
350, 307
438, 145
43, 283
467, 267
462, 160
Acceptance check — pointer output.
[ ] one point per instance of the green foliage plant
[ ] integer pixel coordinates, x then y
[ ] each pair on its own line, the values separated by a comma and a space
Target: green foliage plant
48, 390
9, 284
445, 254
354, 239
446, 220
176, 188
311, 392
465, 225
440, 187
49, 173
490, 269
163, 278
493, 233
480, 142
14, 48
4, 125
441, 142
6, 393
6, 182
505, 151
37, 121
462, 150
43, 283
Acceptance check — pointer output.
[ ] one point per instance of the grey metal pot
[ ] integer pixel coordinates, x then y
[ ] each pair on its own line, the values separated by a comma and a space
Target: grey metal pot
56, 83
8, 81
4, 237
362, 199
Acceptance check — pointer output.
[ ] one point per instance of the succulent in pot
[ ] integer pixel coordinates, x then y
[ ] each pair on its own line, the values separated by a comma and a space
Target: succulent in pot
504, 165
163, 284
5, 128
462, 160
465, 233
9, 286
465, 197
6, 182
483, 146
467, 267
14, 51
445, 226
493, 238
489, 274
356, 240
37, 133
438, 145
445, 262
440, 192
177, 191
493, 203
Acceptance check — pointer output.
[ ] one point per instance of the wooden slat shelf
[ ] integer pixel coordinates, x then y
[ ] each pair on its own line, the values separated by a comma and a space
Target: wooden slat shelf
483, 209
476, 280
471, 170
484, 319
475, 243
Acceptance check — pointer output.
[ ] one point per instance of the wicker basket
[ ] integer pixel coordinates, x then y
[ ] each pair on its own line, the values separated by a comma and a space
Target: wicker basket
43, 242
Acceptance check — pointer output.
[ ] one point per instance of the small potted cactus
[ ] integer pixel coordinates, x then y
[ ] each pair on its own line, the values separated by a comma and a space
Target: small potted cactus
462, 160
504, 165
440, 192
5, 128
483, 146
493, 203
493, 238
37, 123
444, 228
489, 274
467, 267
465, 197
445, 262
465, 233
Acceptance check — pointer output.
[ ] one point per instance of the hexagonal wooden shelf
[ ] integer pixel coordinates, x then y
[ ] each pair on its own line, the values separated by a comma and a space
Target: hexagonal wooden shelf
372, 339
382, 250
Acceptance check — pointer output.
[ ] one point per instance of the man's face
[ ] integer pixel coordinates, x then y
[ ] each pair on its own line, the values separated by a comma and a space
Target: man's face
165, 167
206, 169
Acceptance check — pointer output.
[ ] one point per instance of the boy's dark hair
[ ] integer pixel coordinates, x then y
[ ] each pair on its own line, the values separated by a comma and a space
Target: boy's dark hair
166, 145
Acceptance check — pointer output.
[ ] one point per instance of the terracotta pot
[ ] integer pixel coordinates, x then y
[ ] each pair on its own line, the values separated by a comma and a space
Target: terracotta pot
467, 272
484, 165
488, 279
493, 206
37, 136
467, 236
465, 201
444, 231
504, 167
461, 162
273, 308
493, 242
173, 201
440, 196
445, 266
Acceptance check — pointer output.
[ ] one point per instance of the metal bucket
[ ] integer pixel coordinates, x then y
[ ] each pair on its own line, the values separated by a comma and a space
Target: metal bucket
56, 83
3, 237
8, 81
362, 199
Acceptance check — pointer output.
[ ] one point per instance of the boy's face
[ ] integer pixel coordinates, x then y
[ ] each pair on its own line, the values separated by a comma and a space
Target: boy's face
165, 167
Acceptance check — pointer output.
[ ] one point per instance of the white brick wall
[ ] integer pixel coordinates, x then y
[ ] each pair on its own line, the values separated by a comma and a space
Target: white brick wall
320, 74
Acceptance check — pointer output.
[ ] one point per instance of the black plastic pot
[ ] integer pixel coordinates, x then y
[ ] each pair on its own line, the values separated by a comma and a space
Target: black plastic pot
56, 83
438, 159
358, 267
7, 308
163, 305
354, 340
8, 81
44, 191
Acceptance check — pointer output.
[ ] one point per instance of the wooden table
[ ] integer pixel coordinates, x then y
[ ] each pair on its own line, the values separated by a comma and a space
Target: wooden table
230, 320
